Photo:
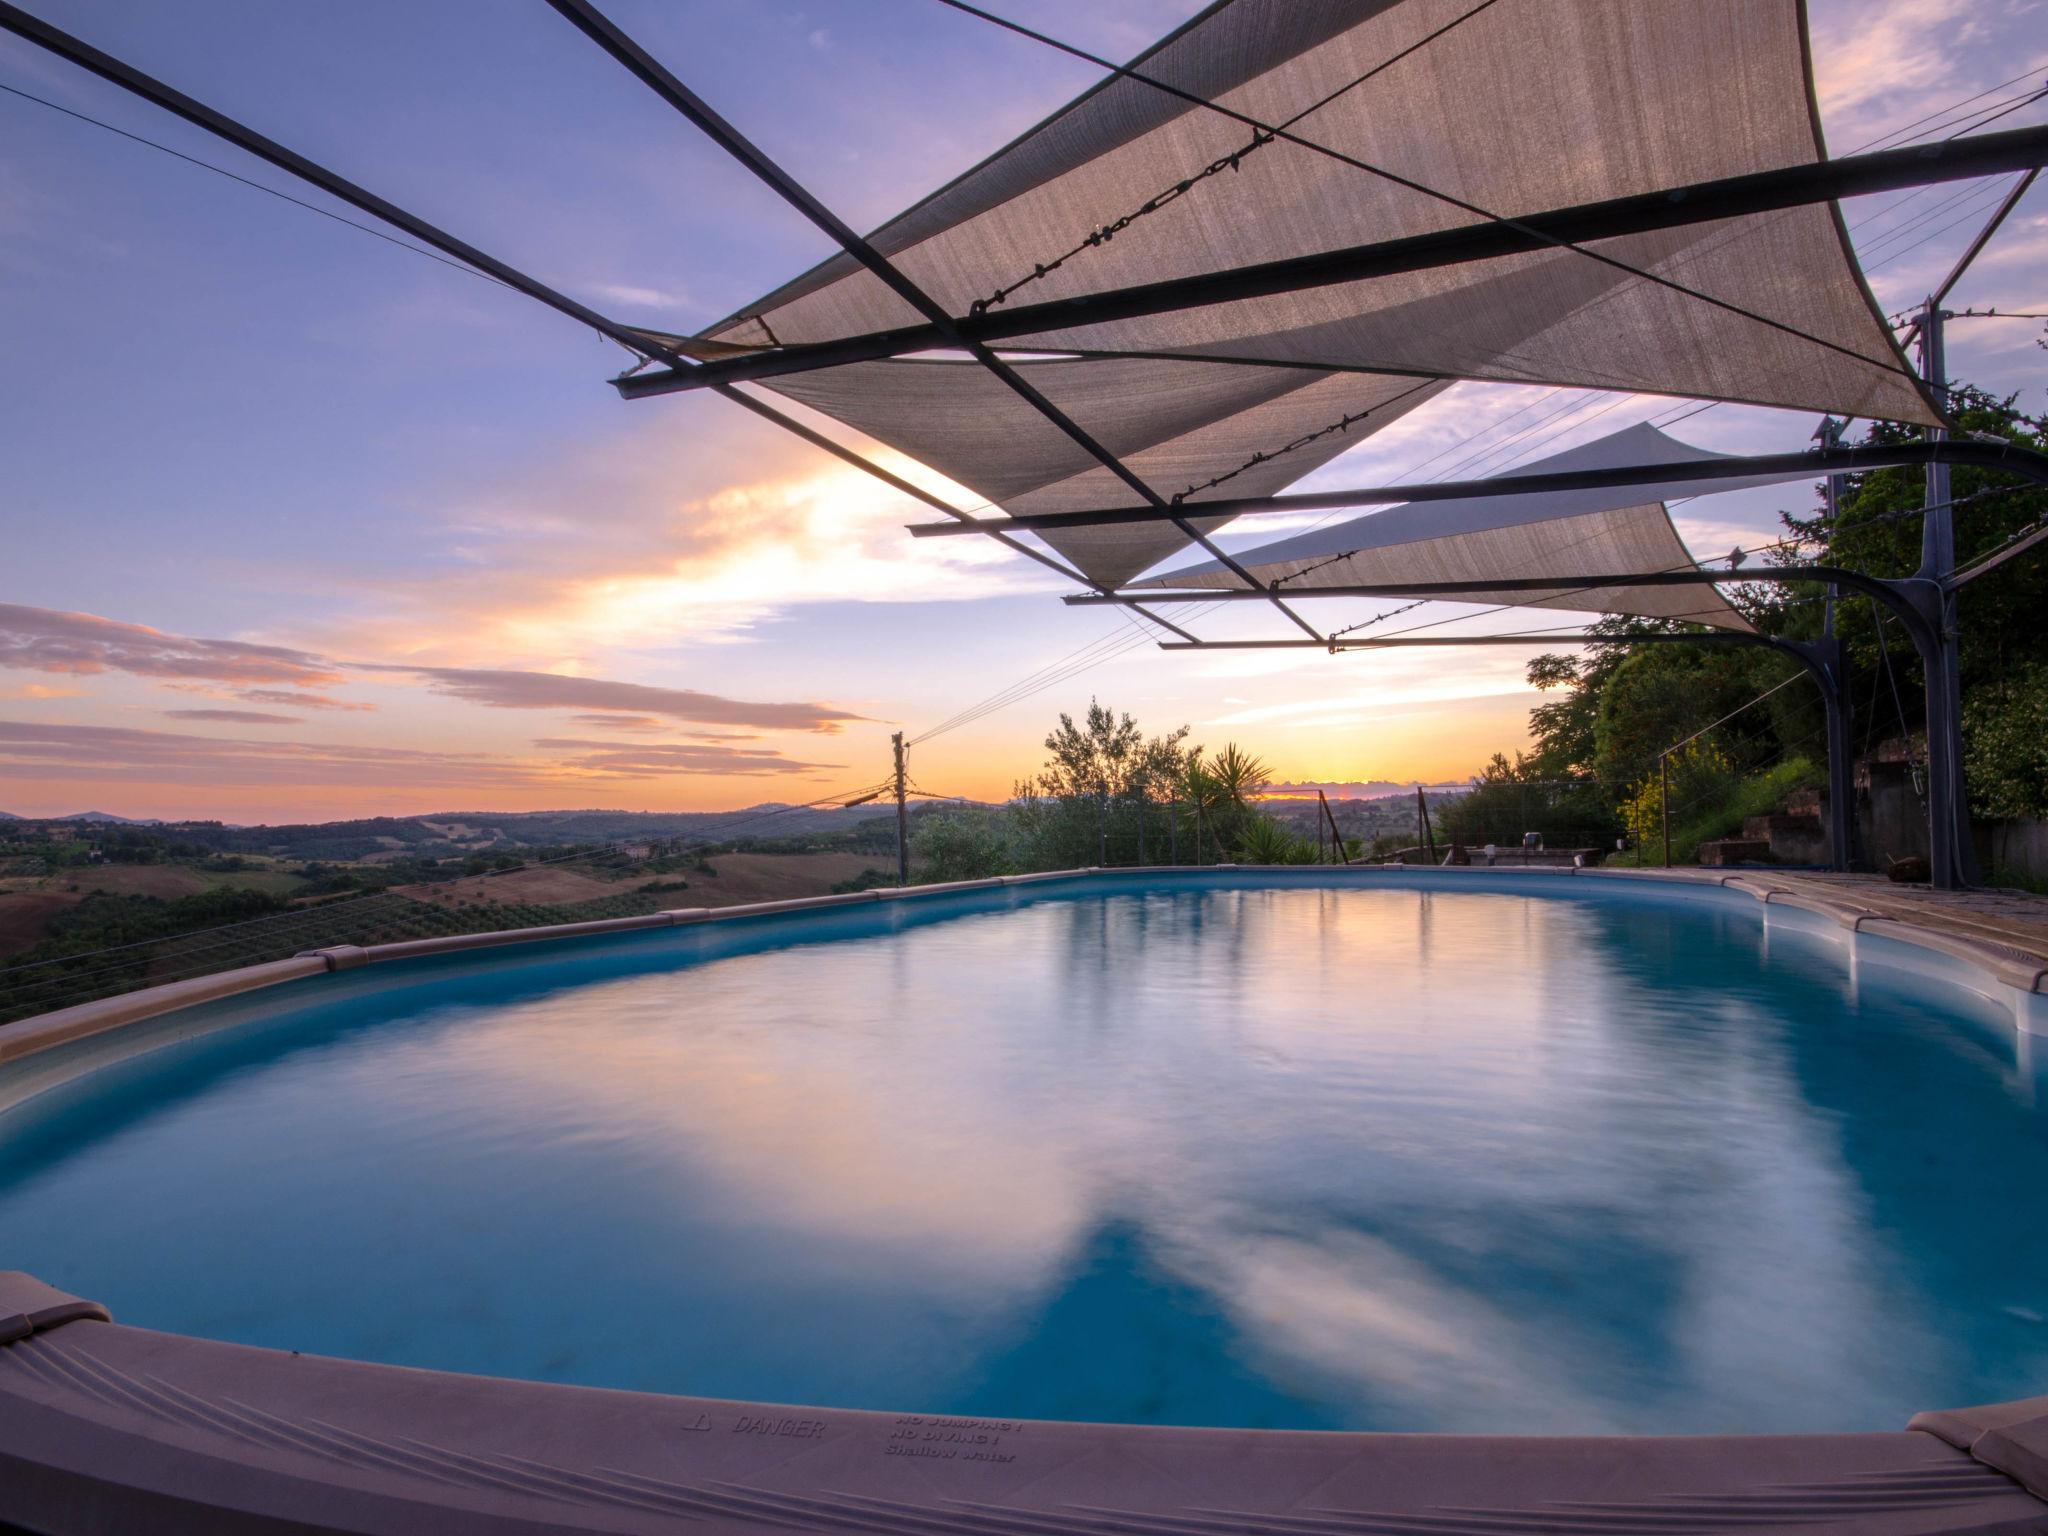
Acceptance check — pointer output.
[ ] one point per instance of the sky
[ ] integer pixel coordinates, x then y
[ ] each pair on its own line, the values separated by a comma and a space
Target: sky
296, 524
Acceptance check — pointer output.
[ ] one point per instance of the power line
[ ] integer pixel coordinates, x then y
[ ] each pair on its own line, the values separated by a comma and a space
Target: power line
1966, 217
296, 202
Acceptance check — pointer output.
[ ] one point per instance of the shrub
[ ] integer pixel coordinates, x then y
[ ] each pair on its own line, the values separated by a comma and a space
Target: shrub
969, 842
1263, 840
2005, 745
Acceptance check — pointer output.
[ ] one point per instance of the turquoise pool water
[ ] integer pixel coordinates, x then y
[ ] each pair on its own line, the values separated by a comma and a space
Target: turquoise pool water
1270, 1154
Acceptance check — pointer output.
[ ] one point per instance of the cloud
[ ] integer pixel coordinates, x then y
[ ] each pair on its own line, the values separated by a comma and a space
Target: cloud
1375, 703
620, 722
41, 691
234, 716
1876, 62
700, 534
46, 640
633, 296
118, 754
646, 724
553, 690
660, 759
298, 700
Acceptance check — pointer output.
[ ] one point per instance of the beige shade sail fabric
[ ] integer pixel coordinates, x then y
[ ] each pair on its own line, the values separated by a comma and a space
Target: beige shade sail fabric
1510, 106
1178, 426
1494, 538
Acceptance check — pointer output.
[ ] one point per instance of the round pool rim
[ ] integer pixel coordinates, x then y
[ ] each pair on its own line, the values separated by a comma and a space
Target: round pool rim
104, 1426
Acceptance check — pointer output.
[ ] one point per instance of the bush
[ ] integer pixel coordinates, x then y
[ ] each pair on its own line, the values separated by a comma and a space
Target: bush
2005, 745
1709, 800
964, 843
866, 880
1263, 840
1509, 799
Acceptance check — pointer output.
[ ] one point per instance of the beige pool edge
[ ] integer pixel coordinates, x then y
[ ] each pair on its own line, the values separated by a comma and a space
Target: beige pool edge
104, 1427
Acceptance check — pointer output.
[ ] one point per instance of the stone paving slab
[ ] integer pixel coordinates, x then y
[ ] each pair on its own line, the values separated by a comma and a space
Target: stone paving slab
2015, 918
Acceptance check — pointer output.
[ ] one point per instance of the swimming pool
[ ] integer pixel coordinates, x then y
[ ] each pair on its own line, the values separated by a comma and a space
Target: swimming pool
1516, 1154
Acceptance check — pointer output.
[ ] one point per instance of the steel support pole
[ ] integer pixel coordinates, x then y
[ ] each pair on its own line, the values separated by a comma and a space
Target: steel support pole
1948, 799
1841, 770
1805, 465
1336, 836
1664, 801
1828, 660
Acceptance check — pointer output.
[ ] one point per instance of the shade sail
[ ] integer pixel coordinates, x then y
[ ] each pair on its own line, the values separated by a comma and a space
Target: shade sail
1176, 425
1495, 538
1507, 108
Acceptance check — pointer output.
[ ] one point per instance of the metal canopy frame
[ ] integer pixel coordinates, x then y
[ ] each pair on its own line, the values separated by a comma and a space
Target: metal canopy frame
646, 344
1920, 603
600, 29
1924, 603
1825, 660
2018, 149
1818, 462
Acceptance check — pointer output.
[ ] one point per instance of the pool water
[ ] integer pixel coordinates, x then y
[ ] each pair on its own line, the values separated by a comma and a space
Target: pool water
1273, 1154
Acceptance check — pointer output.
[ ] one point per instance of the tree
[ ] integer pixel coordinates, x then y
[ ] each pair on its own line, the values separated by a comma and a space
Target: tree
969, 842
1877, 529
1508, 799
1662, 694
2005, 736
1094, 798
1220, 795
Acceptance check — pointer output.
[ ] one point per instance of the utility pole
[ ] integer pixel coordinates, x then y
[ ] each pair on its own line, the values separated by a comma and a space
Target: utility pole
902, 815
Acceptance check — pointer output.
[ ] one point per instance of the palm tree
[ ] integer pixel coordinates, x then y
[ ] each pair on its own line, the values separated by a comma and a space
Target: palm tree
1219, 793
1239, 776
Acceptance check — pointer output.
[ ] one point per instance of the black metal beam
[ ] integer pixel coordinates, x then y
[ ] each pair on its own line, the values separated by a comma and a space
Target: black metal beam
1976, 246
1973, 452
600, 29
1888, 170
1451, 591
1708, 637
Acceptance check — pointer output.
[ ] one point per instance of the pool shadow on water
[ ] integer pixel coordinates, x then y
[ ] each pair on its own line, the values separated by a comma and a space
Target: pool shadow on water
1122, 1340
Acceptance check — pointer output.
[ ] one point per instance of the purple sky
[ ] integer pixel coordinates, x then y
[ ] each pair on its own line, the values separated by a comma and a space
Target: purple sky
358, 531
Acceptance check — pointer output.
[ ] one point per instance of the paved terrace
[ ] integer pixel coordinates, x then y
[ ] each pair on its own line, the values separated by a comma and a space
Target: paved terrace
2016, 919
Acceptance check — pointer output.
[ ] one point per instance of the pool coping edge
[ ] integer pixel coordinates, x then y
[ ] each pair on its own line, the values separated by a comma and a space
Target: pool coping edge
2008, 966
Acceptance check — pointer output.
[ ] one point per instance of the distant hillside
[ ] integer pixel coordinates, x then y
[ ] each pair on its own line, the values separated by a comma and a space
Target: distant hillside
467, 833
1369, 789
